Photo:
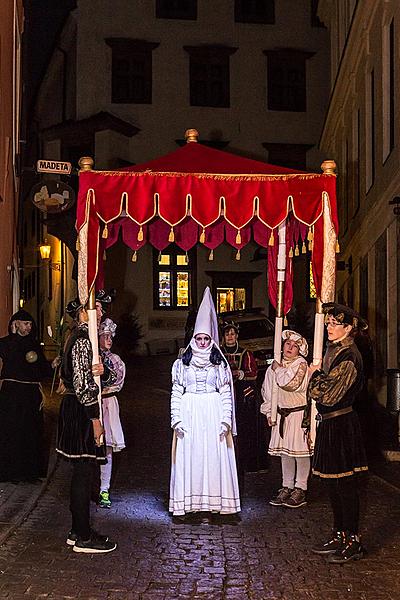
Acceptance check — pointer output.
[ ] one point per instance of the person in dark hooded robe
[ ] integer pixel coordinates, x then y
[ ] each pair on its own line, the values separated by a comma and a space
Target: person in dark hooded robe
21, 406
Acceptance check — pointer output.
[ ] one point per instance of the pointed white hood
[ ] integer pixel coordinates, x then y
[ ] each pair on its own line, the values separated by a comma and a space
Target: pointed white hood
206, 320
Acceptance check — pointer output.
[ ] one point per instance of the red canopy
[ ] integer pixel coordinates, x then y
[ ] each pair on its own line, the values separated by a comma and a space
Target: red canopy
197, 193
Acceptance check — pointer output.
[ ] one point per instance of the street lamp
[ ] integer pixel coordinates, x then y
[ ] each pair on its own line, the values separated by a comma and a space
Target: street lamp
44, 250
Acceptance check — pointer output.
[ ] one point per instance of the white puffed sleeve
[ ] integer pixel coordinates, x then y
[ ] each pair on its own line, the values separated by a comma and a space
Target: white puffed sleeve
290, 378
266, 392
224, 390
178, 388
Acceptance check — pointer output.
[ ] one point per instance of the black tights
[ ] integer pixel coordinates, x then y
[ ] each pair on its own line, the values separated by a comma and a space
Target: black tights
81, 490
343, 494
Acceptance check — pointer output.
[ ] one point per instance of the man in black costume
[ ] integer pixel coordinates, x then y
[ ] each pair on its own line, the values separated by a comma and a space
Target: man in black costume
21, 414
80, 432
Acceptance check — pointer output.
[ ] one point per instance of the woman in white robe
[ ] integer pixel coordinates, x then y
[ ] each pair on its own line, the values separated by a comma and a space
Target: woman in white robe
203, 470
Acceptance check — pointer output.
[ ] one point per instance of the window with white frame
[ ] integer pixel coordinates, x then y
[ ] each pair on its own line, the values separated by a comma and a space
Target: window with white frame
388, 92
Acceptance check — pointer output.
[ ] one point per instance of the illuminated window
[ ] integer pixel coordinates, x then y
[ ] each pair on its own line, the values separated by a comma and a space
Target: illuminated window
230, 299
173, 279
313, 291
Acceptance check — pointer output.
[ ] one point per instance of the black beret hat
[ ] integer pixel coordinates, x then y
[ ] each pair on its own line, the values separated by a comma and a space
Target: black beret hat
345, 315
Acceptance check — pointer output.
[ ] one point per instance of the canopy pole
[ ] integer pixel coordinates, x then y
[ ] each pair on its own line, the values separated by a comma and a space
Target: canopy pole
86, 164
328, 282
328, 268
281, 272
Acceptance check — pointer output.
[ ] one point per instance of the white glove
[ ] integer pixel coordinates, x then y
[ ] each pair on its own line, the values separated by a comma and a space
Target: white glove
223, 431
180, 430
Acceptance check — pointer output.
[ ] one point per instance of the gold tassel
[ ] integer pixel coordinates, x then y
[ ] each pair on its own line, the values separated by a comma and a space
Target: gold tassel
203, 236
159, 257
238, 238
296, 250
303, 248
104, 255
211, 255
140, 234
291, 252
238, 255
271, 239
310, 235
337, 249
134, 257
78, 245
285, 322
104, 235
171, 237
310, 245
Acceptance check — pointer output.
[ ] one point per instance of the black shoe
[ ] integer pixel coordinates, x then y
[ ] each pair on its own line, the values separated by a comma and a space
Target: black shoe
352, 550
335, 544
94, 546
72, 537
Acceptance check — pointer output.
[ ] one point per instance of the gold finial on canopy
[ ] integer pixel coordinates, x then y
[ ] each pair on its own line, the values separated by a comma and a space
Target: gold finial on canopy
191, 135
86, 163
328, 167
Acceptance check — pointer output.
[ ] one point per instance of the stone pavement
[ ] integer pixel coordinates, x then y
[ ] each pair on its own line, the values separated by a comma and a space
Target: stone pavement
267, 556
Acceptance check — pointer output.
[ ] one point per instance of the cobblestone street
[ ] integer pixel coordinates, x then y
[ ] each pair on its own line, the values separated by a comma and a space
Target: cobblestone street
266, 556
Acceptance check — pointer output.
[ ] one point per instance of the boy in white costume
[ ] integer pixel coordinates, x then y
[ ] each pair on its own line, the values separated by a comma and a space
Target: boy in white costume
114, 435
289, 439
203, 470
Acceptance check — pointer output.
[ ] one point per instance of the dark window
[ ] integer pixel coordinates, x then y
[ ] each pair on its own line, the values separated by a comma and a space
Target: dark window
355, 168
209, 75
131, 70
286, 79
292, 156
255, 11
381, 304
176, 9
173, 278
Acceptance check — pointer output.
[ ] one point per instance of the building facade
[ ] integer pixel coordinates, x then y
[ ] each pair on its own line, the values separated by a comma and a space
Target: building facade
361, 131
128, 78
11, 28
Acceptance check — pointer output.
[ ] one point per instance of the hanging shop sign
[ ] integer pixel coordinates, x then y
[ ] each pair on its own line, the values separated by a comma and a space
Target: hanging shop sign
53, 166
52, 196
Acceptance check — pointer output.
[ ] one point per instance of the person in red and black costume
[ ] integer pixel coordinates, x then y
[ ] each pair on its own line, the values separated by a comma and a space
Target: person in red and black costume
244, 372
339, 455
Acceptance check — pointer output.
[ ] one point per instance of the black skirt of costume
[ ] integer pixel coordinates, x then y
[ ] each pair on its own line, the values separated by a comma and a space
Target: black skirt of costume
75, 432
21, 432
339, 449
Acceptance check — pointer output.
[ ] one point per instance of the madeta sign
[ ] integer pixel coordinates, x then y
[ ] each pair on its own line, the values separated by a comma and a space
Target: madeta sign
53, 166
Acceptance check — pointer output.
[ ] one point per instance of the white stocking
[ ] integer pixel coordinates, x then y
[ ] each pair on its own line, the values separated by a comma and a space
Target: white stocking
105, 472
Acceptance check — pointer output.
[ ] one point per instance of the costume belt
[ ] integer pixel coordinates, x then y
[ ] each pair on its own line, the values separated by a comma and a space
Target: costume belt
284, 412
335, 413
109, 394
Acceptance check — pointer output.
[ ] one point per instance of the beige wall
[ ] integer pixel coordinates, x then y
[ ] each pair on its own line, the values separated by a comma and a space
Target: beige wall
11, 25
366, 50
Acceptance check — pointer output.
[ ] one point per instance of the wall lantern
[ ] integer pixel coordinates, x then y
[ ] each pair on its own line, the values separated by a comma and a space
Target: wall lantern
44, 250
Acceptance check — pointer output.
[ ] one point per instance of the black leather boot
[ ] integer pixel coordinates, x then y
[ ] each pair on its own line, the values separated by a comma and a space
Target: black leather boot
351, 550
334, 544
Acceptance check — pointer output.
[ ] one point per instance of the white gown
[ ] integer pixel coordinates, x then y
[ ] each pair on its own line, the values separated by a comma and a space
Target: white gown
292, 381
203, 469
